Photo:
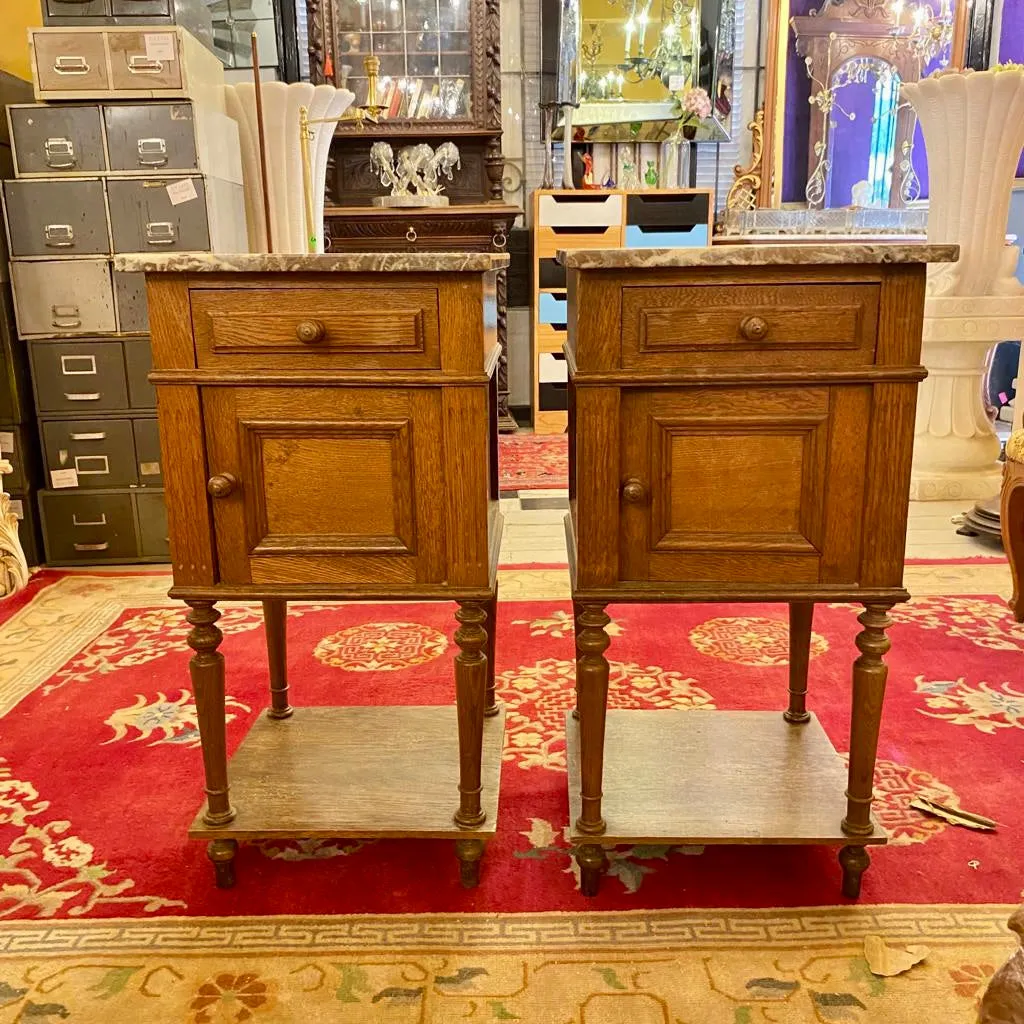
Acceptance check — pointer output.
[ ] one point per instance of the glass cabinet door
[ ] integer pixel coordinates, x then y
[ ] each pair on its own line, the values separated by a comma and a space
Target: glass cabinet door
425, 55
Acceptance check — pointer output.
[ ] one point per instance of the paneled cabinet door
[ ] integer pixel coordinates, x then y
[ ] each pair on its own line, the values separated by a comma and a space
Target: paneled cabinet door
762, 485
326, 485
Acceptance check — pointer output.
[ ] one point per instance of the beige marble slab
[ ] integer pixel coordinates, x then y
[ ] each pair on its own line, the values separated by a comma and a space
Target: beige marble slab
759, 255
299, 263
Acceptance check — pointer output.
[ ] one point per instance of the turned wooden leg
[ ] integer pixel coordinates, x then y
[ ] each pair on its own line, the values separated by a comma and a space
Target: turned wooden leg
592, 699
469, 852
869, 672
593, 863
1011, 519
491, 625
471, 698
801, 615
274, 620
576, 608
222, 855
207, 670
854, 861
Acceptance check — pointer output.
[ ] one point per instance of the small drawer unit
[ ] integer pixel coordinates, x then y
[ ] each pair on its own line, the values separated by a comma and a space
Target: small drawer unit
89, 454
56, 218
80, 376
63, 297
669, 220
56, 139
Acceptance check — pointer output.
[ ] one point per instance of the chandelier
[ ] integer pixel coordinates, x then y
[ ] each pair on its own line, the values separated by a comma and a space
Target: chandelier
928, 33
672, 57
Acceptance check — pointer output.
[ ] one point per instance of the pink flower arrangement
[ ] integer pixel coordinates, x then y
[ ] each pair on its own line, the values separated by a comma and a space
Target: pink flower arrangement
696, 104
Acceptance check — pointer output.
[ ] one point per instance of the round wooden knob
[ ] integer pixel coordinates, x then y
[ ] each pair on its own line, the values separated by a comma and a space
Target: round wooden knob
754, 328
221, 485
634, 491
309, 332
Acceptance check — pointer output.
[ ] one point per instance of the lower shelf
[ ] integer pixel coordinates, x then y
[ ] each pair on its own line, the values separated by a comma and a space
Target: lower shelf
365, 772
705, 777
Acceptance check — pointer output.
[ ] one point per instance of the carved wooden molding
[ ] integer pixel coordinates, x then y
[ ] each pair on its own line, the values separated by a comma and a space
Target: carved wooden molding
746, 186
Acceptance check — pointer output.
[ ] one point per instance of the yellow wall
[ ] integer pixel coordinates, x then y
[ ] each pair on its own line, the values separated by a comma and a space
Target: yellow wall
16, 16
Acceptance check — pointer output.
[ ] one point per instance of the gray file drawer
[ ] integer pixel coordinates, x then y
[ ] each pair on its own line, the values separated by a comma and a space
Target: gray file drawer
16, 446
101, 452
76, 9
63, 297
70, 63
153, 137
147, 454
139, 361
57, 138
143, 218
23, 505
140, 8
130, 299
153, 537
56, 218
88, 527
79, 376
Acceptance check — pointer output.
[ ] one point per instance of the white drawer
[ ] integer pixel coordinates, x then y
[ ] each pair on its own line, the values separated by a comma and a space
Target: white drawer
63, 297
552, 369
580, 210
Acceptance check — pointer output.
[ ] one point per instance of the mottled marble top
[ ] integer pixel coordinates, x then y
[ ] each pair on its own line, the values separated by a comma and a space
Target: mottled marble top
273, 263
759, 255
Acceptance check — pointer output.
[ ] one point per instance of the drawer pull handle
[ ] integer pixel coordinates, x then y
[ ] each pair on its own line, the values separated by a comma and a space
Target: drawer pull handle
754, 328
633, 491
410, 235
83, 396
140, 64
93, 547
309, 332
60, 153
499, 240
99, 435
65, 317
152, 152
102, 521
160, 232
71, 65
59, 236
221, 485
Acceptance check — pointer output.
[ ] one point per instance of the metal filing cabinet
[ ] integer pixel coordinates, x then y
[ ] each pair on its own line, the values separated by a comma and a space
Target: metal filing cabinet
191, 14
89, 454
80, 376
56, 139
63, 297
56, 218
143, 217
89, 528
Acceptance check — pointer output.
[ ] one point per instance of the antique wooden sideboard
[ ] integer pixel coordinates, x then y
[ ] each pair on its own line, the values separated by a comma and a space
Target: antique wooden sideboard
320, 443
741, 421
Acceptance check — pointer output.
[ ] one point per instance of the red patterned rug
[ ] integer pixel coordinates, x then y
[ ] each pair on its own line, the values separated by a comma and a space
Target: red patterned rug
100, 767
531, 462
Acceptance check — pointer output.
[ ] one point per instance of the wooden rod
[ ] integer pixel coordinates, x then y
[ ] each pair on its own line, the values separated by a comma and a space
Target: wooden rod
958, 49
257, 85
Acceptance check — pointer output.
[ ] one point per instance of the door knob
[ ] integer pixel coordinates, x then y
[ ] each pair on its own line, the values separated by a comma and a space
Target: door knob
309, 332
221, 485
634, 491
754, 328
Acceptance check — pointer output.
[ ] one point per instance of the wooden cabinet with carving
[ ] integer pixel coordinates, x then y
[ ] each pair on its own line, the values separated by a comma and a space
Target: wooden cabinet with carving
741, 426
322, 444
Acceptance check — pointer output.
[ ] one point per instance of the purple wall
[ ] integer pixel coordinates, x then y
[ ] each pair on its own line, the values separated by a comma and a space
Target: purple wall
1011, 43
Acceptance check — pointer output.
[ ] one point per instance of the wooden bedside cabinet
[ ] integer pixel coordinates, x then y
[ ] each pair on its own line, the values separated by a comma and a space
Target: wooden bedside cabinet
329, 430
741, 422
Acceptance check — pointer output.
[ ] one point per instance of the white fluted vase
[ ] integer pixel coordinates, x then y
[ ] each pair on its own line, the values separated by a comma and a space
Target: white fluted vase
973, 127
281, 105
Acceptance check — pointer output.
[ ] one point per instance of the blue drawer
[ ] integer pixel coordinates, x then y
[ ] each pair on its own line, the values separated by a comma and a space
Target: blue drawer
670, 238
554, 308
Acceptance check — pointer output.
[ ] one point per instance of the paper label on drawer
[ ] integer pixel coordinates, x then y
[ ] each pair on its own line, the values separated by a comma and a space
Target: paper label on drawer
161, 47
17, 508
676, 83
63, 478
183, 191
6, 441
149, 468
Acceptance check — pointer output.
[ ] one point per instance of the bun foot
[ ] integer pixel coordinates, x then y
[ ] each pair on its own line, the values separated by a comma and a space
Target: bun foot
854, 861
222, 855
469, 852
593, 863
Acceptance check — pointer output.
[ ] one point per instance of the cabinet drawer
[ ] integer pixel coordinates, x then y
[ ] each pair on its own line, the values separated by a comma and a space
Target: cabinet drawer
140, 8
313, 328
88, 527
550, 339
56, 139
86, 376
151, 137
69, 62
131, 67
130, 302
139, 362
694, 237
553, 308
147, 453
580, 210
143, 218
154, 541
63, 297
668, 211
551, 240
76, 9
57, 218
750, 326
551, 274
318, 485
101, 453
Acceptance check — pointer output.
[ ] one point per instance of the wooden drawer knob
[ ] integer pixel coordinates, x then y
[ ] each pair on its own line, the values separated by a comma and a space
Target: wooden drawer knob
754, 328
221, 485
634, 491
309, 332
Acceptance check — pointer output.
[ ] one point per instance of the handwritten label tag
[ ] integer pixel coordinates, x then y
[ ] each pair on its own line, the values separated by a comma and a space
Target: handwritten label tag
63, 478
6, 441
676, 83
17, 508
183, 191
161, 47
149, 468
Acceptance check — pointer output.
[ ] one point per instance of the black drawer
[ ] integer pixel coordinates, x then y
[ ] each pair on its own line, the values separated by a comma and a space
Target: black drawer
79, 376
88, 528
674, 211
553, 397
89, 453
147, 453
552, 274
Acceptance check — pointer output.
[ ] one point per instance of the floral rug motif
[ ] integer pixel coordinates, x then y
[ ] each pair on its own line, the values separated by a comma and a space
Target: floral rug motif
533, 462
101, 771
